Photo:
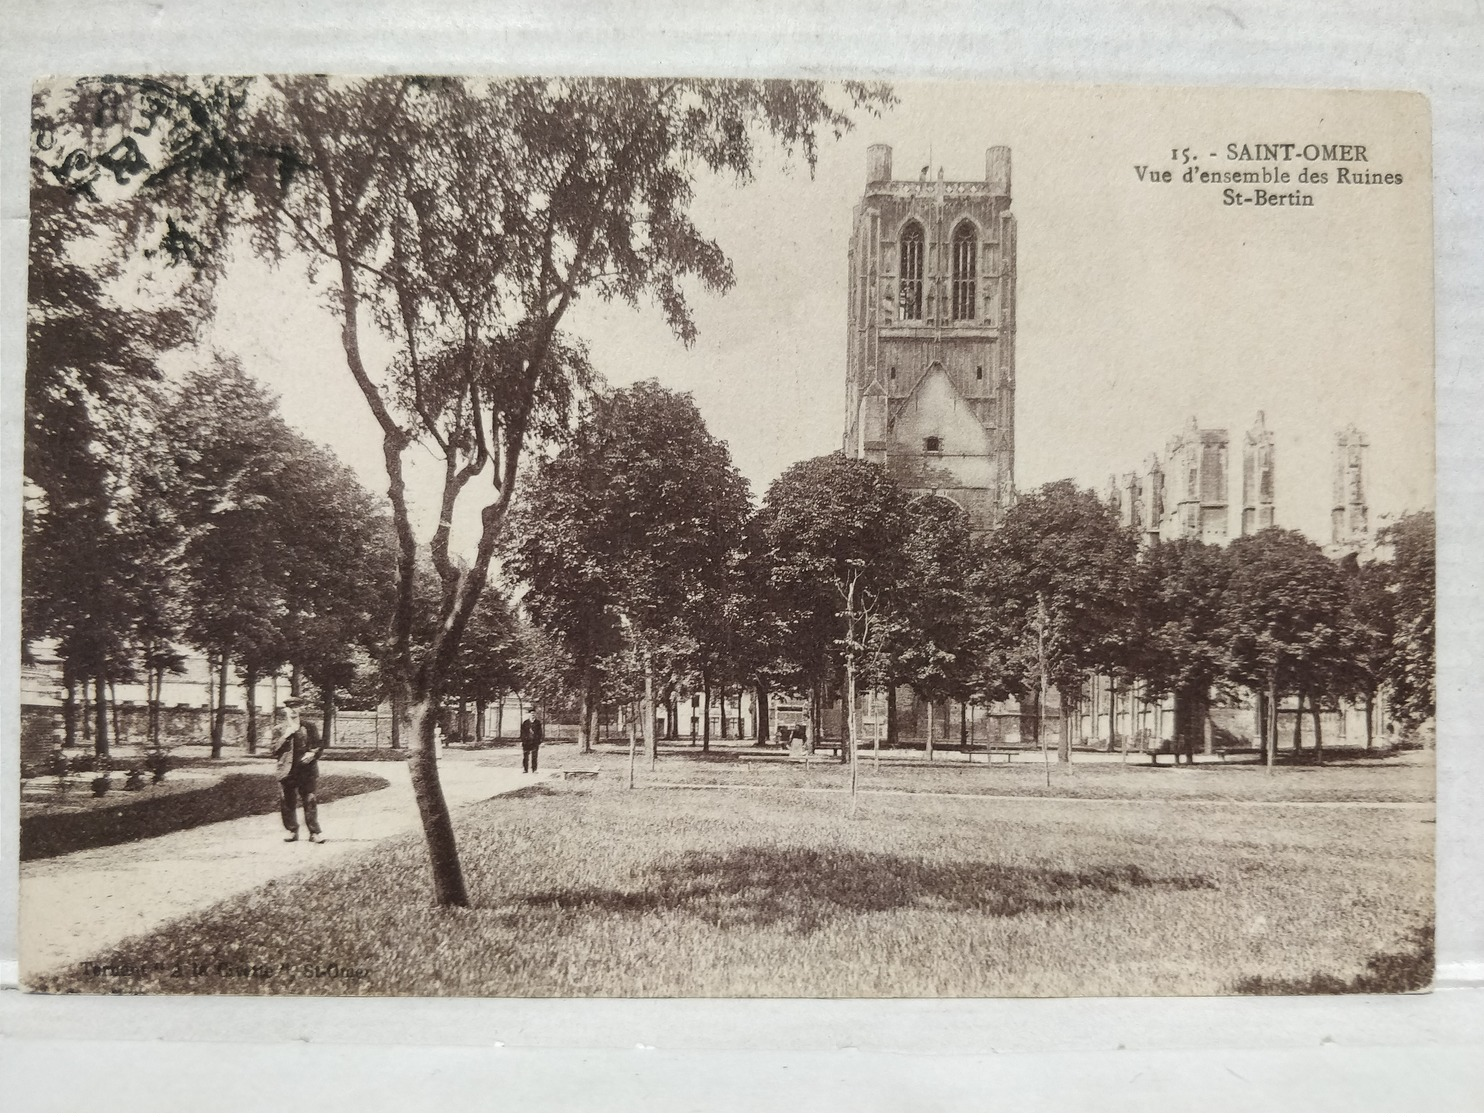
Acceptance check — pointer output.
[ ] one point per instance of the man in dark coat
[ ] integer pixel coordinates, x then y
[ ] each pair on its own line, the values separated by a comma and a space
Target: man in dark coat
298, 754
531, 734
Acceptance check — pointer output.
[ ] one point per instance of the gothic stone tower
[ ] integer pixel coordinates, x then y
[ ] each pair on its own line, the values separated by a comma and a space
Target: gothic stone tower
1257, 478
1195, 504
1350, 518
930, 389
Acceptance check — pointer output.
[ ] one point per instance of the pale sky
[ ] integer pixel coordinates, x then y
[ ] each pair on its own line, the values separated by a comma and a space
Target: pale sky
1139, 304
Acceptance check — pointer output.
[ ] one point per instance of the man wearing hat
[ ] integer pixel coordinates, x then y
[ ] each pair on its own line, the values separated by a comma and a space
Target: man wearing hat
298, 753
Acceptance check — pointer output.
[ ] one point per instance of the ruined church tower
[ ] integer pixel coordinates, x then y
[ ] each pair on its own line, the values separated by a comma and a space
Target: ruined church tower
930, 368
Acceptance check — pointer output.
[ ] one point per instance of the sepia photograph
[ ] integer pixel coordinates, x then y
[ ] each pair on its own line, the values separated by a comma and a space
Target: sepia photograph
695, 537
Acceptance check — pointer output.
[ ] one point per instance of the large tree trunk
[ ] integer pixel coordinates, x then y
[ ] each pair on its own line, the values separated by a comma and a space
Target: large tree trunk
69, 705
219, 725
1370, 717
432, 807
849, 746
480, 706
250, 682
651, 747
328, 721
1298, 720
891, 714
1316, 713
113, 705
500, 718
705, 712
100, 716
1112, 714
1064, 738
631, 715
327, 716
463, 717
1260, 718
761, 721
296, 681
398, 710
151, 703
875, 729
813, 739
584, 701
930, 727
1272, 740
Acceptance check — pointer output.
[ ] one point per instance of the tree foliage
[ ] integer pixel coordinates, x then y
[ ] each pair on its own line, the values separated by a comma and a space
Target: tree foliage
1283, 611
1180, 586
463, 218
1062, 552
940, 617
835, 529
627, 537
1412, 664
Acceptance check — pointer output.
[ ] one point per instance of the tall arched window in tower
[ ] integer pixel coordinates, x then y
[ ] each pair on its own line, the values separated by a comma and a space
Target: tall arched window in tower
911, 272
965, 250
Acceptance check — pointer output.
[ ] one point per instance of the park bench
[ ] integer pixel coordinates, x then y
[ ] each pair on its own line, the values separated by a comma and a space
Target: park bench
579, 773
990, 753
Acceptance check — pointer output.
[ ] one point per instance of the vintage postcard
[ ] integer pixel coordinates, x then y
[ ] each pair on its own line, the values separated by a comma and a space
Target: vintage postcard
706, 538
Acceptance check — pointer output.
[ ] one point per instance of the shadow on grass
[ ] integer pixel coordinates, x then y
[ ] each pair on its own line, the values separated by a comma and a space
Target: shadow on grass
1402, 971
237, 796
802, 889
542, 791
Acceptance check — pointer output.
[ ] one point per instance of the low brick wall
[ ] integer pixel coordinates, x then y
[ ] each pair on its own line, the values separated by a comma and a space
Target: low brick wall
42, 727
41, 733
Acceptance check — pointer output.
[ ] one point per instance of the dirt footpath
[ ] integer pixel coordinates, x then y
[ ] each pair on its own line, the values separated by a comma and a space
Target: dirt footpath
75, 906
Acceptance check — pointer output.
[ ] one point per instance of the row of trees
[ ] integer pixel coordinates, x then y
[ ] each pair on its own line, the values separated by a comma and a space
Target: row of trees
161, 514
457, 220
640, 554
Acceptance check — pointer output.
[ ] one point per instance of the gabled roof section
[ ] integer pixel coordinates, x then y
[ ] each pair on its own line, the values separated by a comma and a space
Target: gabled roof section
935, 368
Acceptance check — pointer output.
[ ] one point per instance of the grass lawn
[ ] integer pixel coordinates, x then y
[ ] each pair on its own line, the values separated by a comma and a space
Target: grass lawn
128, 816
1404, 777
585, 888
1408, 779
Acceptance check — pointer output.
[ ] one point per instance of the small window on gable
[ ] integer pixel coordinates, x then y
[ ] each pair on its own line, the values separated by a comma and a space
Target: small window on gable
932, 444
978, 372
891, 373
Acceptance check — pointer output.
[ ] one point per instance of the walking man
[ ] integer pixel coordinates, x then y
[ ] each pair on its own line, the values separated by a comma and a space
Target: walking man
531, 733
298, 754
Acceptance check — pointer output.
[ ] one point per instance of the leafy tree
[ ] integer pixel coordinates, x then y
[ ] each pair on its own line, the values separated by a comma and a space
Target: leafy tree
98, 541
759, 629
626, 536
1367, 635
836, 530
1060, 576
339, 546
286, 554
488, 667
1283, 609
934, 641
463, 219
1180, 587
230, 446
1413, 671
